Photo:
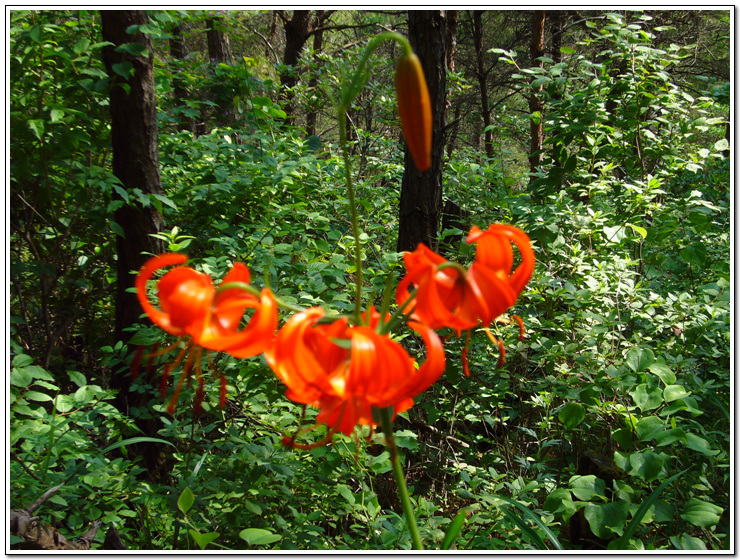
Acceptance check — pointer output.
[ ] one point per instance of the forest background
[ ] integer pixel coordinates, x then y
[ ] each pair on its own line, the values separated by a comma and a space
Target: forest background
605, 136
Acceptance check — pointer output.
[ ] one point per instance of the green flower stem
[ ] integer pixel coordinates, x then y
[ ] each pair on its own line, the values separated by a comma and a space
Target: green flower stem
384, 415
342, 116
348, 95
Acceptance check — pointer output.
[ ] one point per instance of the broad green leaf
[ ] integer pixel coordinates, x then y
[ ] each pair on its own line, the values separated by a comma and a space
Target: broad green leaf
20, 377
649, 427
256, 537
663, 372
124, 69
614, 234
699, 444
695, 253
639, 359
687, 542
641, 231
586, 487
77, 378
720, 145
56, 115
670, 436
36, 396
203, 539
674, 392
572, 414
646, 465
606, 520
701, 513
560, 501
647, 397
186, 500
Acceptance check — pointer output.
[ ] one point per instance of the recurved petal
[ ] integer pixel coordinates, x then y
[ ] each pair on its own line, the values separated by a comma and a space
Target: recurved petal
294, 356
495, 291
258, 334
158, 317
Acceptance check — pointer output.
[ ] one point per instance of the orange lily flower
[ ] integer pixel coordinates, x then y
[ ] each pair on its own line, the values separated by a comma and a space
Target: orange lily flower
449, 296
191, 306
346, 371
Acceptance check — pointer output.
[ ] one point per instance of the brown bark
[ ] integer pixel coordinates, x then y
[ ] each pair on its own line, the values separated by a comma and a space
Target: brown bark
219, 51
536, 104
298, 29
134, 137
482, 82
219, 47
421, 193
179, 90
312, 116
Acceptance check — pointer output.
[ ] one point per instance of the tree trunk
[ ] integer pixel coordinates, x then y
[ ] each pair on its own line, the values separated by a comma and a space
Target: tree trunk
179, 91
219, 48
312, 116
134, 138
482, 82
421, 193
219, 51
297, 31
536, 104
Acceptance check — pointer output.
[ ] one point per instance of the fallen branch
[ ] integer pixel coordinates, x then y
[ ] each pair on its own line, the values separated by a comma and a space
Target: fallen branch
24, 525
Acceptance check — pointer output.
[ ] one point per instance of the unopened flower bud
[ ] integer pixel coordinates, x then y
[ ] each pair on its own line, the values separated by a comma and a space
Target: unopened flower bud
415, 110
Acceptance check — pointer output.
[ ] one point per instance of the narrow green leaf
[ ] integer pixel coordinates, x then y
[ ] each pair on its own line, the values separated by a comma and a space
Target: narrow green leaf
453, 530
131, 441
528, 513
526, 529
642, 510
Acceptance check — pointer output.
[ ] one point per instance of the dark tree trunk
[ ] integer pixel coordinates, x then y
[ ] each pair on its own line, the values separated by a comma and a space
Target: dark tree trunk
179, 90
455, 128
134, 138
219, 51
421, 193
318, 43
536, 104
219, 48
297, 31
482, 82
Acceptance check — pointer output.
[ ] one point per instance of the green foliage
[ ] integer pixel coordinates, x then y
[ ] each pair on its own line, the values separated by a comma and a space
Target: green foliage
620, 388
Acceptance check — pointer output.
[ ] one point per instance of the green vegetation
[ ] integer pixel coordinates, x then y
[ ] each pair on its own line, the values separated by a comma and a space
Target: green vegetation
608, 426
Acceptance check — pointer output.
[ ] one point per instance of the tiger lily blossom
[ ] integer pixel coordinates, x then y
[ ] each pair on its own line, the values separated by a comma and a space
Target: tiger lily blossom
190, 306
347, 371
440, 294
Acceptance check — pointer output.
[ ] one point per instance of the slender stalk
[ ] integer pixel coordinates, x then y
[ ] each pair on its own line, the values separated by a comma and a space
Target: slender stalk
403, 492
342, 115
348, 95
